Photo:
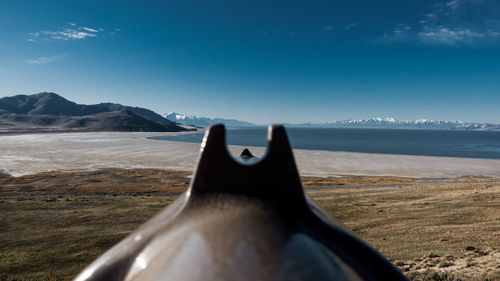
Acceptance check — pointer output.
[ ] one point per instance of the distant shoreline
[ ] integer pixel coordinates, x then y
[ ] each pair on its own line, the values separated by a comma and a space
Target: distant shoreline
37, 131
37, 153
405, 142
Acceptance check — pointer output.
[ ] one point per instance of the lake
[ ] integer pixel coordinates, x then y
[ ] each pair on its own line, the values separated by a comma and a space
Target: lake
450, 143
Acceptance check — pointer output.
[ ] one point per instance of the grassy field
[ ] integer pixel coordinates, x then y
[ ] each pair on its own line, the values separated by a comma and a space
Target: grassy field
54, 224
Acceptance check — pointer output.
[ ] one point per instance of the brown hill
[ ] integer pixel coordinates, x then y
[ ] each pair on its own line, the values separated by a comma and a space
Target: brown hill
51, 112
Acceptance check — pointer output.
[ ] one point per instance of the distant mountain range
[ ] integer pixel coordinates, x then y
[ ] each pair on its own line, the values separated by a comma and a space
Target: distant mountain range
204, 121
392, 123
380, 123
49, 112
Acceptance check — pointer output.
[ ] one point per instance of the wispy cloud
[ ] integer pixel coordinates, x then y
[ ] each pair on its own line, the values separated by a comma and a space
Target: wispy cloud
449, 23
328, 27
447, 36
116, 30
66, 34
70, 32
351, 25
456, 5
90, 29
402, 32
44, 60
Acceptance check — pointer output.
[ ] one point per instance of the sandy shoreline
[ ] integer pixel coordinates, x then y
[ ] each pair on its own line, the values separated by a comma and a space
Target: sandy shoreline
37, 153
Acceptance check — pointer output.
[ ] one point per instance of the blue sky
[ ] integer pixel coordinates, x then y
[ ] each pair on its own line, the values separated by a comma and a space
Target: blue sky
285, 61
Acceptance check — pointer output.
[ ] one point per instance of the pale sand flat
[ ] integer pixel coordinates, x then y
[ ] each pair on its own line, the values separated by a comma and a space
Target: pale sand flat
35, 153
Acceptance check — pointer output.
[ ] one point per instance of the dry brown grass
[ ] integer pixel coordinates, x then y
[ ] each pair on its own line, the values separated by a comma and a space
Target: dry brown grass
54, 224
411, 221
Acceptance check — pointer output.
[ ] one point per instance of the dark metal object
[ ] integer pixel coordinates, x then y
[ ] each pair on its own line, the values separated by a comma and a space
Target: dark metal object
247, 220
246, 154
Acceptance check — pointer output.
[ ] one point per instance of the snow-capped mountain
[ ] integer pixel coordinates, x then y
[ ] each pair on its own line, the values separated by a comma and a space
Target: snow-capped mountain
392, 123
203, 121
380, 123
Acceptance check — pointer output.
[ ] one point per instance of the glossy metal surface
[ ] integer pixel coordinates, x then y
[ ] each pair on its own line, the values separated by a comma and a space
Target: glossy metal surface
242, 220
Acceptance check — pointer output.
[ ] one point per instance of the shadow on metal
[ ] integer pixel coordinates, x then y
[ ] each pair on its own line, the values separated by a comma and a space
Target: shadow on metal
242, 220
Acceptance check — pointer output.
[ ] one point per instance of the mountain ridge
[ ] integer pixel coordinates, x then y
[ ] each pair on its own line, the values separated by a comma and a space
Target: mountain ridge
48, 111
193, 120
40, 108
370, 123
393, 123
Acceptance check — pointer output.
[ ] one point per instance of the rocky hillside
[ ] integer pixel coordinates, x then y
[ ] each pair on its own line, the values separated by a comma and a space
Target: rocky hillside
51, 112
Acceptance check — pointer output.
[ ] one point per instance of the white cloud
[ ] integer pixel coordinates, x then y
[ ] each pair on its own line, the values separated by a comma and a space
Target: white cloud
431, 15
349, 26
90, 29
67, 34
44, 60
74, 32
455, 5
328, 27
116, 30
401, 33
450, 24
446, 36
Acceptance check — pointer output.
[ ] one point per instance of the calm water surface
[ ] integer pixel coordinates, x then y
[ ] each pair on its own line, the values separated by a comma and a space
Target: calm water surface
471, 144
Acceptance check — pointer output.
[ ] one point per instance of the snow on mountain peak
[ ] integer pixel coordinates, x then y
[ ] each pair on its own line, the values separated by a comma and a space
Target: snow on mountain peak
202, 121
390, 122
173, 116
